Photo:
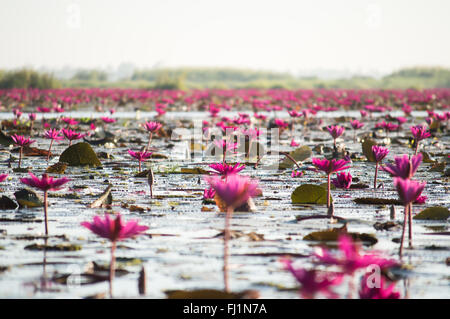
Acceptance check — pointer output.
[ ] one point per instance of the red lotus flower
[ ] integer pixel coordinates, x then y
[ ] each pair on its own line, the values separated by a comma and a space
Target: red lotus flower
408, 190
381, 292
313, 281
140, 156
225, 169
235, 190
108, 119
343, 180
356, 124
296, 174
209, 193
403, 167
21, 141
420, 133
3, 177
69, 121
350, 259
152, 126
336, 130
330, 166
281, 124
379, 153
45, 184
72, 135
114, 230
294, 143
53, 134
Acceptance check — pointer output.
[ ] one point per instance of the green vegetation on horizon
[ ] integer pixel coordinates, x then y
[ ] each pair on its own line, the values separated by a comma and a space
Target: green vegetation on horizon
197, 78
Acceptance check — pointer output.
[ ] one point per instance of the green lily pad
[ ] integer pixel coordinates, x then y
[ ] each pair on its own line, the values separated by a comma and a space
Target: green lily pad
433, 213
334, 233
194, 170
367, 149
309, 194
80, 154
437, 167
426, 157
60, 247
299, 154
377, 201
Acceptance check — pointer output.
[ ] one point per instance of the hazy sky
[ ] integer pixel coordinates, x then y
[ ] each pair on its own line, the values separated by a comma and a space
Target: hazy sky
357, 35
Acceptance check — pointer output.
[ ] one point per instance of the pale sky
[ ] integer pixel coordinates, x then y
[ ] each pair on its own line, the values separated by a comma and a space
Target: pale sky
282, 35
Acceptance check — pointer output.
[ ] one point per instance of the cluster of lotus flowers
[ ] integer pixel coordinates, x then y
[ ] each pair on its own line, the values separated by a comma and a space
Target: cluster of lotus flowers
227, 185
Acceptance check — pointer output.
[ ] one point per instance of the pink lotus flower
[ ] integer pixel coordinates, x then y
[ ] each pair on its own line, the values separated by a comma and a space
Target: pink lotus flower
314, 282
69, 121
379, 153
260, 116
294, 143
343, 180
53, 135
114, 230
294, 113
3, 177
296, 174
152, 127
108, 119
356, 124
420, 200
381, 292
330, 167
281, 124
336, 131
32, 117
235, 190
363, 113
403, 167
140, 156
21, 141
209, 193
225, 169
350, 258
420, 133
408, 190
72, 135
225, 146
45, 184
42, 109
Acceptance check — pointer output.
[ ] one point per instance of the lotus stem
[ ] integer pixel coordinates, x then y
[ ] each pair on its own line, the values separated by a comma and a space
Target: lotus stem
45, 212
328, 190
410, 224
228, 215
404, 228
112, 268
49, 149
375, 178
291, 158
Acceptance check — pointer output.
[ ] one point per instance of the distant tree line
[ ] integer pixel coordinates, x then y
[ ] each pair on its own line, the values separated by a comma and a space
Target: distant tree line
185, 78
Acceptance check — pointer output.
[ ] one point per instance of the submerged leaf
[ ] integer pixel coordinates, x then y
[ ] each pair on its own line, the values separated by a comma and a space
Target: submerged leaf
367, 149
377, 201
433, 213
300, 154
309, 194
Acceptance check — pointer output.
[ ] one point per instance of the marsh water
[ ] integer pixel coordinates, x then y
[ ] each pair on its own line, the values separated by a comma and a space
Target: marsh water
182, 249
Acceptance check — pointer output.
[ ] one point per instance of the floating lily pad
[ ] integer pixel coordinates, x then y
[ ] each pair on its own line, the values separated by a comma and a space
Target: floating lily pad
437, 167
300, 154
194, 170
426, 157
60, 247
433, 213
28, 198
367, 149
80, 154
309, 194
7, 203
334, 233
103, 200
377, 201
58, 168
